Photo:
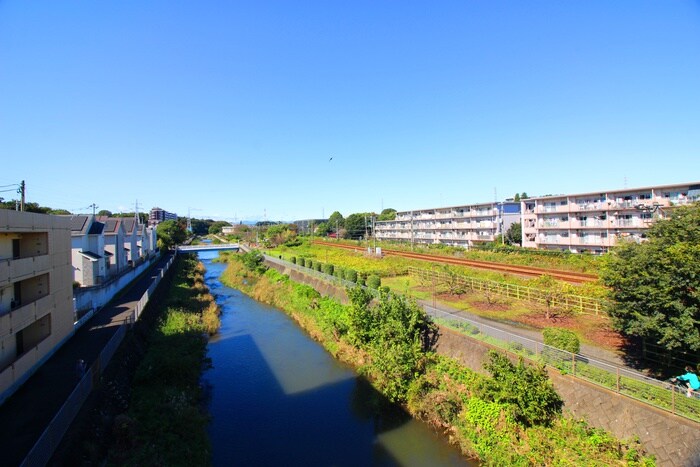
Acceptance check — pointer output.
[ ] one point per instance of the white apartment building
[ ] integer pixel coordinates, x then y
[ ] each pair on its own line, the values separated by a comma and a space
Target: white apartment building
463, 226
36, 294
594, 222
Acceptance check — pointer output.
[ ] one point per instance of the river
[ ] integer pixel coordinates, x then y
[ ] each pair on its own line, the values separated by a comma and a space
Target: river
278, 398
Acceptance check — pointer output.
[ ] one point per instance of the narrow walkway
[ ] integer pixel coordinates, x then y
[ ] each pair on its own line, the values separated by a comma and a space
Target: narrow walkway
596, 353
25, 415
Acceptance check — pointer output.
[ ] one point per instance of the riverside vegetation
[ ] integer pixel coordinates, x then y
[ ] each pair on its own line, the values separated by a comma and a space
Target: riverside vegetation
512, 417
166, 423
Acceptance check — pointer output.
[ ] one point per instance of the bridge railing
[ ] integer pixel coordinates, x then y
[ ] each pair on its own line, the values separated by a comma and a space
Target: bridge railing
209, 246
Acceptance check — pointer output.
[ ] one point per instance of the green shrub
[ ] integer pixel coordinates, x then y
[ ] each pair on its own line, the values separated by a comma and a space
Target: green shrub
293, 260
339, 272
301, 262
526, 389
561, 339
373, 281
328, 269
350, 275
318, 266
309, 263
384, 288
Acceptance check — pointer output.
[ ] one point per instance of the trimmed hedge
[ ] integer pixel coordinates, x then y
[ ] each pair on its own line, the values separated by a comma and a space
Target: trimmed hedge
374, 281
350, 275
328, 269
562, 339
293, 260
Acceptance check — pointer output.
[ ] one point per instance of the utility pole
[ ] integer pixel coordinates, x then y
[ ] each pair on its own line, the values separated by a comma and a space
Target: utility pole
136, 213
93, 206
22, 190
374, 235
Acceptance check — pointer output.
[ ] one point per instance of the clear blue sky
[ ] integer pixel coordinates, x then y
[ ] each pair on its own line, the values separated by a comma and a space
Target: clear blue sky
233, 109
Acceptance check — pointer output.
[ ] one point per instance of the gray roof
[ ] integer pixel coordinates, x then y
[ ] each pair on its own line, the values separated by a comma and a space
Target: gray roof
79, 223
90, 255
96, 228
111, 224
128, 224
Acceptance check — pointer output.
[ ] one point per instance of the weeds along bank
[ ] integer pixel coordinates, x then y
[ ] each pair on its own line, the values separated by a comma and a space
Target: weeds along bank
165, 423
512, 417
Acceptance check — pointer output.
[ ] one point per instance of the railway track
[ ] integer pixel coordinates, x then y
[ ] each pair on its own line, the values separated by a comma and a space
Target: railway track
573, 277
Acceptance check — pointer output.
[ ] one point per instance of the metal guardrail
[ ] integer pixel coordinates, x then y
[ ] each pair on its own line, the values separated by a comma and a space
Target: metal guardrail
615, 378
46, 445
576, 303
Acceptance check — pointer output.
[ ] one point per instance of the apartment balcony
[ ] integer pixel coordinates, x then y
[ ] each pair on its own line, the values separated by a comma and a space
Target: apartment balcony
595, 223
25, 314
551, 241
629, 223
12, 270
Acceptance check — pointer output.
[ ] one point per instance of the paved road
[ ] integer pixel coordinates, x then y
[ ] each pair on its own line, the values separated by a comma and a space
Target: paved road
25, 415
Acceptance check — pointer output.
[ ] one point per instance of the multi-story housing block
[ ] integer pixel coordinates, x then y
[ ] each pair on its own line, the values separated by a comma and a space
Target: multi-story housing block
464, 226
158, 215
594, 222
36, 295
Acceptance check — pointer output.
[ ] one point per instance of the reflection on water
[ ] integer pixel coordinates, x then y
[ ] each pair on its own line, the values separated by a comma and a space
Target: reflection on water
277, 398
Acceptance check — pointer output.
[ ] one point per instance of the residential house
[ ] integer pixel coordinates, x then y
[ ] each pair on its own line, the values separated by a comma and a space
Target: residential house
88, 250
131, 240
114, 237
145, 240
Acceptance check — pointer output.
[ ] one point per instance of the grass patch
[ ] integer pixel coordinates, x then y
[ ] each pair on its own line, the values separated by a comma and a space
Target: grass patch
165, 423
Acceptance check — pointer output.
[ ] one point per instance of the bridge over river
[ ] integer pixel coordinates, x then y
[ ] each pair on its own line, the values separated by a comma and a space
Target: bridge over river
208, 247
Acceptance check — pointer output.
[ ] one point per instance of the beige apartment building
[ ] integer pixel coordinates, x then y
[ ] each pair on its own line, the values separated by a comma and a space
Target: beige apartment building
36, 295
463, 226
594, 222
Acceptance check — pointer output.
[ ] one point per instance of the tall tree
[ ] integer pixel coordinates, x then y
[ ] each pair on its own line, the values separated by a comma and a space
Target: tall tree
358, 225
514, 234
336, 221
170, 233
655, 285
215, 228
387, 214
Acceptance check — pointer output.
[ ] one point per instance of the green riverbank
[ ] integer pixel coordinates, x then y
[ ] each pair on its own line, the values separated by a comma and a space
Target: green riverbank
511, 418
